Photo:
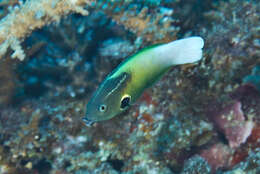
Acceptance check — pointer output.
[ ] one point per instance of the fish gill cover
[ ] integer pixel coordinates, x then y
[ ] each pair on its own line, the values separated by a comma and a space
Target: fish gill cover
197, 119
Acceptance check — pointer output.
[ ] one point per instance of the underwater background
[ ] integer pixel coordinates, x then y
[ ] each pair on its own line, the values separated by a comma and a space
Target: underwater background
198, 119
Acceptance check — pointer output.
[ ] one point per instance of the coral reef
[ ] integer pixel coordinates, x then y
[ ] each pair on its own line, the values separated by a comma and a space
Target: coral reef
195, 165
153, 26
202, 118
232, 123
8, 80
31, 15
254, 77
251, 165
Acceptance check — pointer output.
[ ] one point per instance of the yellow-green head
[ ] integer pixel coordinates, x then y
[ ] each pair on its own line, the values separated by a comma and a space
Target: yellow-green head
109, 100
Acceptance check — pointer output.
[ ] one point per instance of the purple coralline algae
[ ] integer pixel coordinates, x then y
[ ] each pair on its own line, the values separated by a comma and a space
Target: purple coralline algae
231, 121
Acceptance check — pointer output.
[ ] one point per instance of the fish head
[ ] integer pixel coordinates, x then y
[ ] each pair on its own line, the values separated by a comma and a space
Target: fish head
109, 100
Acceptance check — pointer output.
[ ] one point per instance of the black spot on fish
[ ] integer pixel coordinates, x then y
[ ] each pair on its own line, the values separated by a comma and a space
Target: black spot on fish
125, 102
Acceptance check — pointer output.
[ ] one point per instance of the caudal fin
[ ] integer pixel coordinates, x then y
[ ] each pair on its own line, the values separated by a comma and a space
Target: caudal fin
188, 50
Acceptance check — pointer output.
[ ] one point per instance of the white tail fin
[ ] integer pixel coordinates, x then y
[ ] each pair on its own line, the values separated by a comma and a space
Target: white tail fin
188, 50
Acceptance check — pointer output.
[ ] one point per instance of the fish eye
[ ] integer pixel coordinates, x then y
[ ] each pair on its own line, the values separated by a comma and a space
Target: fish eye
102, 108
125, 101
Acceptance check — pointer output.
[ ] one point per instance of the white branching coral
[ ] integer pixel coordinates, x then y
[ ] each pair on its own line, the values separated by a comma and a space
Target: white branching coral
31, 15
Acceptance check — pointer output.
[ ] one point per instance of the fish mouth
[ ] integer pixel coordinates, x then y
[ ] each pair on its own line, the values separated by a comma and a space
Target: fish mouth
88, 122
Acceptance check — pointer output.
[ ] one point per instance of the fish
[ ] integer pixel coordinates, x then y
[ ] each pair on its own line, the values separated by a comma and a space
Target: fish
126, 83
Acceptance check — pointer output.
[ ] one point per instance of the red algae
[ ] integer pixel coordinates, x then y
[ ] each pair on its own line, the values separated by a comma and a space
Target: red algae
147, 117
239, 155
253, 142
146, 97
231, 121
218, 156
255, 135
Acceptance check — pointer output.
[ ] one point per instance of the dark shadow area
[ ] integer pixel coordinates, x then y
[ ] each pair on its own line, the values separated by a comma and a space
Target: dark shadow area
116, 164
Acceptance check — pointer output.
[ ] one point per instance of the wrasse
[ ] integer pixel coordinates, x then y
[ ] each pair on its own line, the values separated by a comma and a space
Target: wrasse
123, 86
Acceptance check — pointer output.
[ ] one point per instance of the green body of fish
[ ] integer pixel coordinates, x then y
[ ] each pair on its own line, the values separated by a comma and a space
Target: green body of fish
126, 83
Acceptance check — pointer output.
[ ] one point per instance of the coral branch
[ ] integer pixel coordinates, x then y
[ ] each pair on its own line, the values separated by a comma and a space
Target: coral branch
31, 15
